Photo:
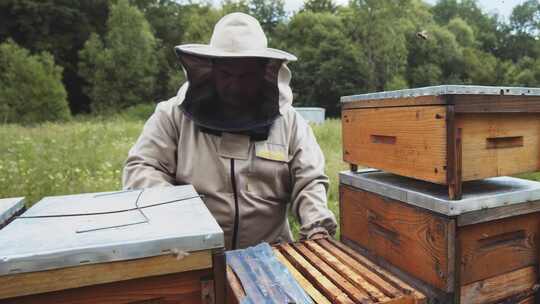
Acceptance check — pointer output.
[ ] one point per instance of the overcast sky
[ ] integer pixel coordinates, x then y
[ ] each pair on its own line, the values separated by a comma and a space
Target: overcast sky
502, 7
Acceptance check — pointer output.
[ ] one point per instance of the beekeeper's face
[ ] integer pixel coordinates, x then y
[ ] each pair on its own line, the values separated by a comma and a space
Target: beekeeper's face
239, 80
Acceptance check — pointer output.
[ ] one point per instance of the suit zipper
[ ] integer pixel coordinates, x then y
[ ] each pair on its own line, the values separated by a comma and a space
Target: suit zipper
236, 212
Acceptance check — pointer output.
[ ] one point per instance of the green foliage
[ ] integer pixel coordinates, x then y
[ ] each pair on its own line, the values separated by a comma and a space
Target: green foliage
485, 26
31, 89
526, 17
434, 59
120, 69
396, 83
364, 46
329, 65
167, 19
525, 73
233, 6
269, 13
59, 27
140, 112
320, 6
375, 27
462, 31
479, 67
81, 156
521, 37
199, 23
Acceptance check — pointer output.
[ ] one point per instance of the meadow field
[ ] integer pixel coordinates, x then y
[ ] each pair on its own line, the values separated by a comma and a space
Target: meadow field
86, 154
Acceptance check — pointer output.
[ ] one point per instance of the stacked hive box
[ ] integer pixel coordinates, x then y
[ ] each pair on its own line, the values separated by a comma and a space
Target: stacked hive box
476, 243
160, 245
480, 249
444, 135
329, 272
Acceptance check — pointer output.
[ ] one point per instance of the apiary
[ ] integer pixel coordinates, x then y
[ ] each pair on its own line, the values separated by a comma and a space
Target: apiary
444, 134
483, 248
157, 245
316, 271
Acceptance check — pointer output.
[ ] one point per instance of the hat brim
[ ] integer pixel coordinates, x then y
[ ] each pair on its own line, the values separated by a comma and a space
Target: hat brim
209, 51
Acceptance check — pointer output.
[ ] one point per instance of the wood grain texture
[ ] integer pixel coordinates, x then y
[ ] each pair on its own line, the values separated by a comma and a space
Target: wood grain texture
500, 287
463, 103
328, 288
235, 291
454, 155
373, 278
356, 294
496, 104
528, 300
501, 246
427, 293
219, 266
488, 215
479, 131
353, 277
372, 267
311, 290
181, 288
401, 234
419, 146
330, 272
396, 102
73, 277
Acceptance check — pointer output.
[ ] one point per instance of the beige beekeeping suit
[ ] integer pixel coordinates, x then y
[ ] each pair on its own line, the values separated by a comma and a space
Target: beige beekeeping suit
248, 185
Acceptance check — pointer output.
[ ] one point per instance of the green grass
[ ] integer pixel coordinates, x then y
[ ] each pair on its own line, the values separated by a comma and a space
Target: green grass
531, 175
87, 155
73, 157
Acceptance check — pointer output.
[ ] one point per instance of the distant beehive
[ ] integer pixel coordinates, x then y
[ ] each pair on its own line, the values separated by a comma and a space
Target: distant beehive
313, 115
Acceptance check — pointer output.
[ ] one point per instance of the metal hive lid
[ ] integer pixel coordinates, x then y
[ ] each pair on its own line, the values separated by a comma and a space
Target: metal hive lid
445, 90
9, 207
171, 218
477, 195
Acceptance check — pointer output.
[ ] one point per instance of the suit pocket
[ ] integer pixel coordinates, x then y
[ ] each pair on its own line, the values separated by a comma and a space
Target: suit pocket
269, 175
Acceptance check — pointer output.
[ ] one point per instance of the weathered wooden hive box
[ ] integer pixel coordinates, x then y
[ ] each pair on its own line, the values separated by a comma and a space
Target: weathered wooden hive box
444, 134
158, 245
483, 248
326, 270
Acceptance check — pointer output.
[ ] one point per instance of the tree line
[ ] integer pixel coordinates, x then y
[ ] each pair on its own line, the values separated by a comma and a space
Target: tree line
64, 57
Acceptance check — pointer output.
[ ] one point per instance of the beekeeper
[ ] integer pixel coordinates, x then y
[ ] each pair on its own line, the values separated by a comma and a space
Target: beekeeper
232, 133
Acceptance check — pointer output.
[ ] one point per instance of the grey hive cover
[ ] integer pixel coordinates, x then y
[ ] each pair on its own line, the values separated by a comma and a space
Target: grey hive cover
445, 90
9, 207
477, 195
58, 231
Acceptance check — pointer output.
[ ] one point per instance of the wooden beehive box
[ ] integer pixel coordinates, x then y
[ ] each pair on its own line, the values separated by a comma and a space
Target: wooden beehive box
330, 272
444, 134
158, 245
481, 249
